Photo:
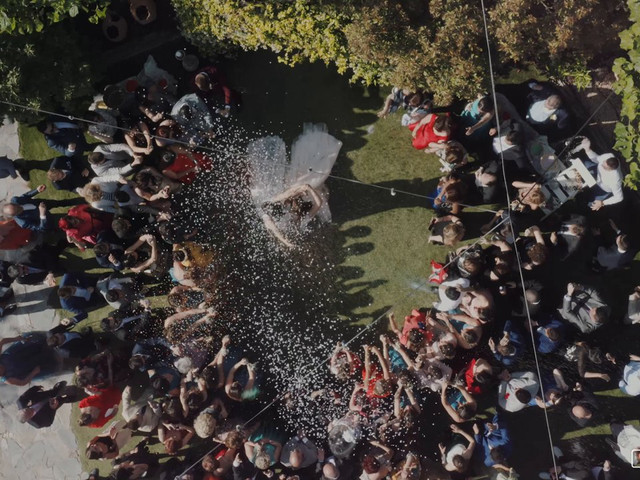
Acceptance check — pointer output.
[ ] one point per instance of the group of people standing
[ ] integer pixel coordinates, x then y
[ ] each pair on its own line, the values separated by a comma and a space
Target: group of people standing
177, 379
489, 336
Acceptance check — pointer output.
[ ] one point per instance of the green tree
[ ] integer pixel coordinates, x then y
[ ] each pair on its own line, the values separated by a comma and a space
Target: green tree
22, 16
296, 30
392, 44
47, 70
436, 45
559, 37
627, 70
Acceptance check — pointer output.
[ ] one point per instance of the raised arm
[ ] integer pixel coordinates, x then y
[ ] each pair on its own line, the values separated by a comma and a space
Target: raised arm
403, 353
20, 382
367, 364
448, 408
386, 373
147, 136
385, 346
219, 360
353, 404
397, 401
176, 317
518, 184
232, 374
252, 379
467, 396
316, 199
388, 452
393, 325
8, 340
275, 231
472, 441
151, 241
190, 432
136, 245
412, 399
486, 118
183, 396
461, 317
249, 448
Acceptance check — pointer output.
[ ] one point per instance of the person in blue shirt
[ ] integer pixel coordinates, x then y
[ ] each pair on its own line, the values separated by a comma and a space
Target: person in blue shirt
64, 137
27, 213
76, 296
27, 358
109, 251
7, 168
548, 334
510, 347
67, 173
494, 435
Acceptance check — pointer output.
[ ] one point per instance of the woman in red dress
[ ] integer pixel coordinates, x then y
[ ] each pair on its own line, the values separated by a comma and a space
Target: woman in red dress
432, 132
82, 225
183, 165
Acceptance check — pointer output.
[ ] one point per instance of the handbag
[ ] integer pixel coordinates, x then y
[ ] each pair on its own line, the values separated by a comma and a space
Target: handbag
438, 273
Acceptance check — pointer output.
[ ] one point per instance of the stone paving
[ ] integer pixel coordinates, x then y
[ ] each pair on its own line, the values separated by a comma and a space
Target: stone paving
25, 452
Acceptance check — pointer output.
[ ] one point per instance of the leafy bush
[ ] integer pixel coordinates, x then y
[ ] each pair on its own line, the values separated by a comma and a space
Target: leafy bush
627, 70
20, 16
47, 70
437, 45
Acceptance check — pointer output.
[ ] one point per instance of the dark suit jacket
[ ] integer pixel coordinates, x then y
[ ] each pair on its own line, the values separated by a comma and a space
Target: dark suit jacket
44, 417
5, 279
74, 178
243, 471
77, 305
575, 309
562, 115
116, 249
30, 219
78, 347
567, 245
42, 260
61, 139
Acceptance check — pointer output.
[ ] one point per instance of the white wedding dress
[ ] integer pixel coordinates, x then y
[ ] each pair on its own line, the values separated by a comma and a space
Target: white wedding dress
313, 155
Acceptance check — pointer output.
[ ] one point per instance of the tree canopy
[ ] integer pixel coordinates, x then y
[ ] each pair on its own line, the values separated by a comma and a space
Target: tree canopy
29, 62
627, 70
436, 45
21, 16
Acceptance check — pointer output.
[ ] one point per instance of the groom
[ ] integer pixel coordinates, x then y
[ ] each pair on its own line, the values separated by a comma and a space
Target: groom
38, 406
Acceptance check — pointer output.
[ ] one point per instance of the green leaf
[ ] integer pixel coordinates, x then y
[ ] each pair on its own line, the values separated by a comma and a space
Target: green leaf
74, 10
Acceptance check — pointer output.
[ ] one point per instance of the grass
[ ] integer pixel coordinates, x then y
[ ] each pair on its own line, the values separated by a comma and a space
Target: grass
379, 248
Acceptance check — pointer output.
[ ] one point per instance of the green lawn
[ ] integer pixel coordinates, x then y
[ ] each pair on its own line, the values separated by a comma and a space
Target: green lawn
379, 249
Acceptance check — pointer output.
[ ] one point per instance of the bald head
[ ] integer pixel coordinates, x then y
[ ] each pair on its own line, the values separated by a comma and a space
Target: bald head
296, 458
580, 411
532, 296
203, 82
11, 210
26, 414
553, 102
330, 471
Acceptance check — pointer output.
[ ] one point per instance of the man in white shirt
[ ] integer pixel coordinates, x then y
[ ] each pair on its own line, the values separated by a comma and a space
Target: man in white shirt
113, 160
615, 256
630, 382
143, 410
633, 308
119, 292
608, 189
517, 390
627, 438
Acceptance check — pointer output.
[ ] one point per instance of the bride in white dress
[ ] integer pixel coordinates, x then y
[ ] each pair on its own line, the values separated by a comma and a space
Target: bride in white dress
289, 194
